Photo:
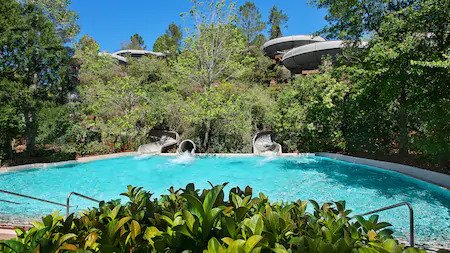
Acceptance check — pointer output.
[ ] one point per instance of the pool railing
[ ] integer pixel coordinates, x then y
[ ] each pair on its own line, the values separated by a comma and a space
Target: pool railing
67, 206
411, 217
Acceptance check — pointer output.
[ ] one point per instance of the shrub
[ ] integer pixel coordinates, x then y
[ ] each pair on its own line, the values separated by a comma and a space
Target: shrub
190, 220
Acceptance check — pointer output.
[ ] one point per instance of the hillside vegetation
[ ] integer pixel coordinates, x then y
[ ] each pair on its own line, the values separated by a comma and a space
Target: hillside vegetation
216, 87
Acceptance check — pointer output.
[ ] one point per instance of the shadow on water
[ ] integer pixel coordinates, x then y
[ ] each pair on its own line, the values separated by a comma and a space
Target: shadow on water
386, 183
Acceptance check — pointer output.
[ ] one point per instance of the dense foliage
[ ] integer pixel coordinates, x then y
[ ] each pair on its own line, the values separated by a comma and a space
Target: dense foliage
190, 220
34, 64
216, 87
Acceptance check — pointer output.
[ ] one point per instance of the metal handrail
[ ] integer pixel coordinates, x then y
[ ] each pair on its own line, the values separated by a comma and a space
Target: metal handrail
411, 217
30, 197
67, 205
79, 195
10, 202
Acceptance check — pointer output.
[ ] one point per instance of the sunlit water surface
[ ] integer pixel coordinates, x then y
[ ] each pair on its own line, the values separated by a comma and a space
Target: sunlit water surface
364, 188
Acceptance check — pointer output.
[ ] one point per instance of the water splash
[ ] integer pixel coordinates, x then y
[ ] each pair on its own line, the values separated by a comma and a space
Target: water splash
304, 160
267, 159
185, 158
143, 156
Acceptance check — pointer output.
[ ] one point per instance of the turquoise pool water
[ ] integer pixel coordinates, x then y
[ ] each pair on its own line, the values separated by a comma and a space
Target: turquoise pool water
288, 178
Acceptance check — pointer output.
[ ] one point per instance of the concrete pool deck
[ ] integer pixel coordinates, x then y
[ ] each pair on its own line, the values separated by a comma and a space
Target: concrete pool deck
6, 233
432, 177
429, 176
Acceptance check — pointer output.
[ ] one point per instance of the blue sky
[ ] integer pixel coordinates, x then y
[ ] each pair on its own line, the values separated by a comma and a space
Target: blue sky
112, 22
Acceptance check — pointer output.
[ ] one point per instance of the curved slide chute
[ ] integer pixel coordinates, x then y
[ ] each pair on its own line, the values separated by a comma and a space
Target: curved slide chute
186, 146
162, 140
263, 144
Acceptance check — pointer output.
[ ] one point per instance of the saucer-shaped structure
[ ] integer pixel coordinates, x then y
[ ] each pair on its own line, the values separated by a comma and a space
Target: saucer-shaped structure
135, 53
138, 53
280, 45
308, 57
300, 53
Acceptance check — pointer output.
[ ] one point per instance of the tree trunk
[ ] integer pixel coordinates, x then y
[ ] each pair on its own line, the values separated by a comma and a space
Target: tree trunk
206, 136
403, 124
31, 130
5, 150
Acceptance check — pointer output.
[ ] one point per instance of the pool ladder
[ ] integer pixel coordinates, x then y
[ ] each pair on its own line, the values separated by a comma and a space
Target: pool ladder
67, 206
411, 217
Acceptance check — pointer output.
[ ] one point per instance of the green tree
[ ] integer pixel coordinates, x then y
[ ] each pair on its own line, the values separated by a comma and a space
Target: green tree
219, 119
11, 116
118, 104
405, 69
170, 41
136, 42
64, 19
277, 20
34, 55
309, 115
249, 21
214, 49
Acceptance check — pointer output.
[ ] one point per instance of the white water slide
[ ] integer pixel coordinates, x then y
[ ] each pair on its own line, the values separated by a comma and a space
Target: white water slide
161, 141
263, 144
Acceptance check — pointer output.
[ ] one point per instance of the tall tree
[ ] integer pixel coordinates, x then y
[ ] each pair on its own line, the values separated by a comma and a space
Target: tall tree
11, 124
405, 67
170, 41
34, 55
62, 17
136, 42
214, 48
277, 19
249, 21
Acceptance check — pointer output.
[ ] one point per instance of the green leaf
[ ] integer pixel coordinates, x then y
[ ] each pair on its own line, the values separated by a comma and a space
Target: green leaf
381, 225
211, 198
135, 229
214, 245
227, 240
70, 247
65, 238
251, 243
279, 249
16, 246
114, 212
190, 221
120, 224
151, 232
256, 224
237, 246
196, 205
414, 250
91, 239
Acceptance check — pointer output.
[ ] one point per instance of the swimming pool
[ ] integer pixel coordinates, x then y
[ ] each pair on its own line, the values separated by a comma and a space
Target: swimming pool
285, 178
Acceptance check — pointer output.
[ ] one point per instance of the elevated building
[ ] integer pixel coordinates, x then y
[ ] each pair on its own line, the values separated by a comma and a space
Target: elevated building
122, 55
301, 53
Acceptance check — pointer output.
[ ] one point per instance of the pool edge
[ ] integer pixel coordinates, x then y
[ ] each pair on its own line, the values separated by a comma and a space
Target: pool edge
123, 154
432, 177
429, 176
69, 162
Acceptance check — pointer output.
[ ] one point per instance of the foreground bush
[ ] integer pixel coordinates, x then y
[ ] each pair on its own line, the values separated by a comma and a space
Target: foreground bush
192, 221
